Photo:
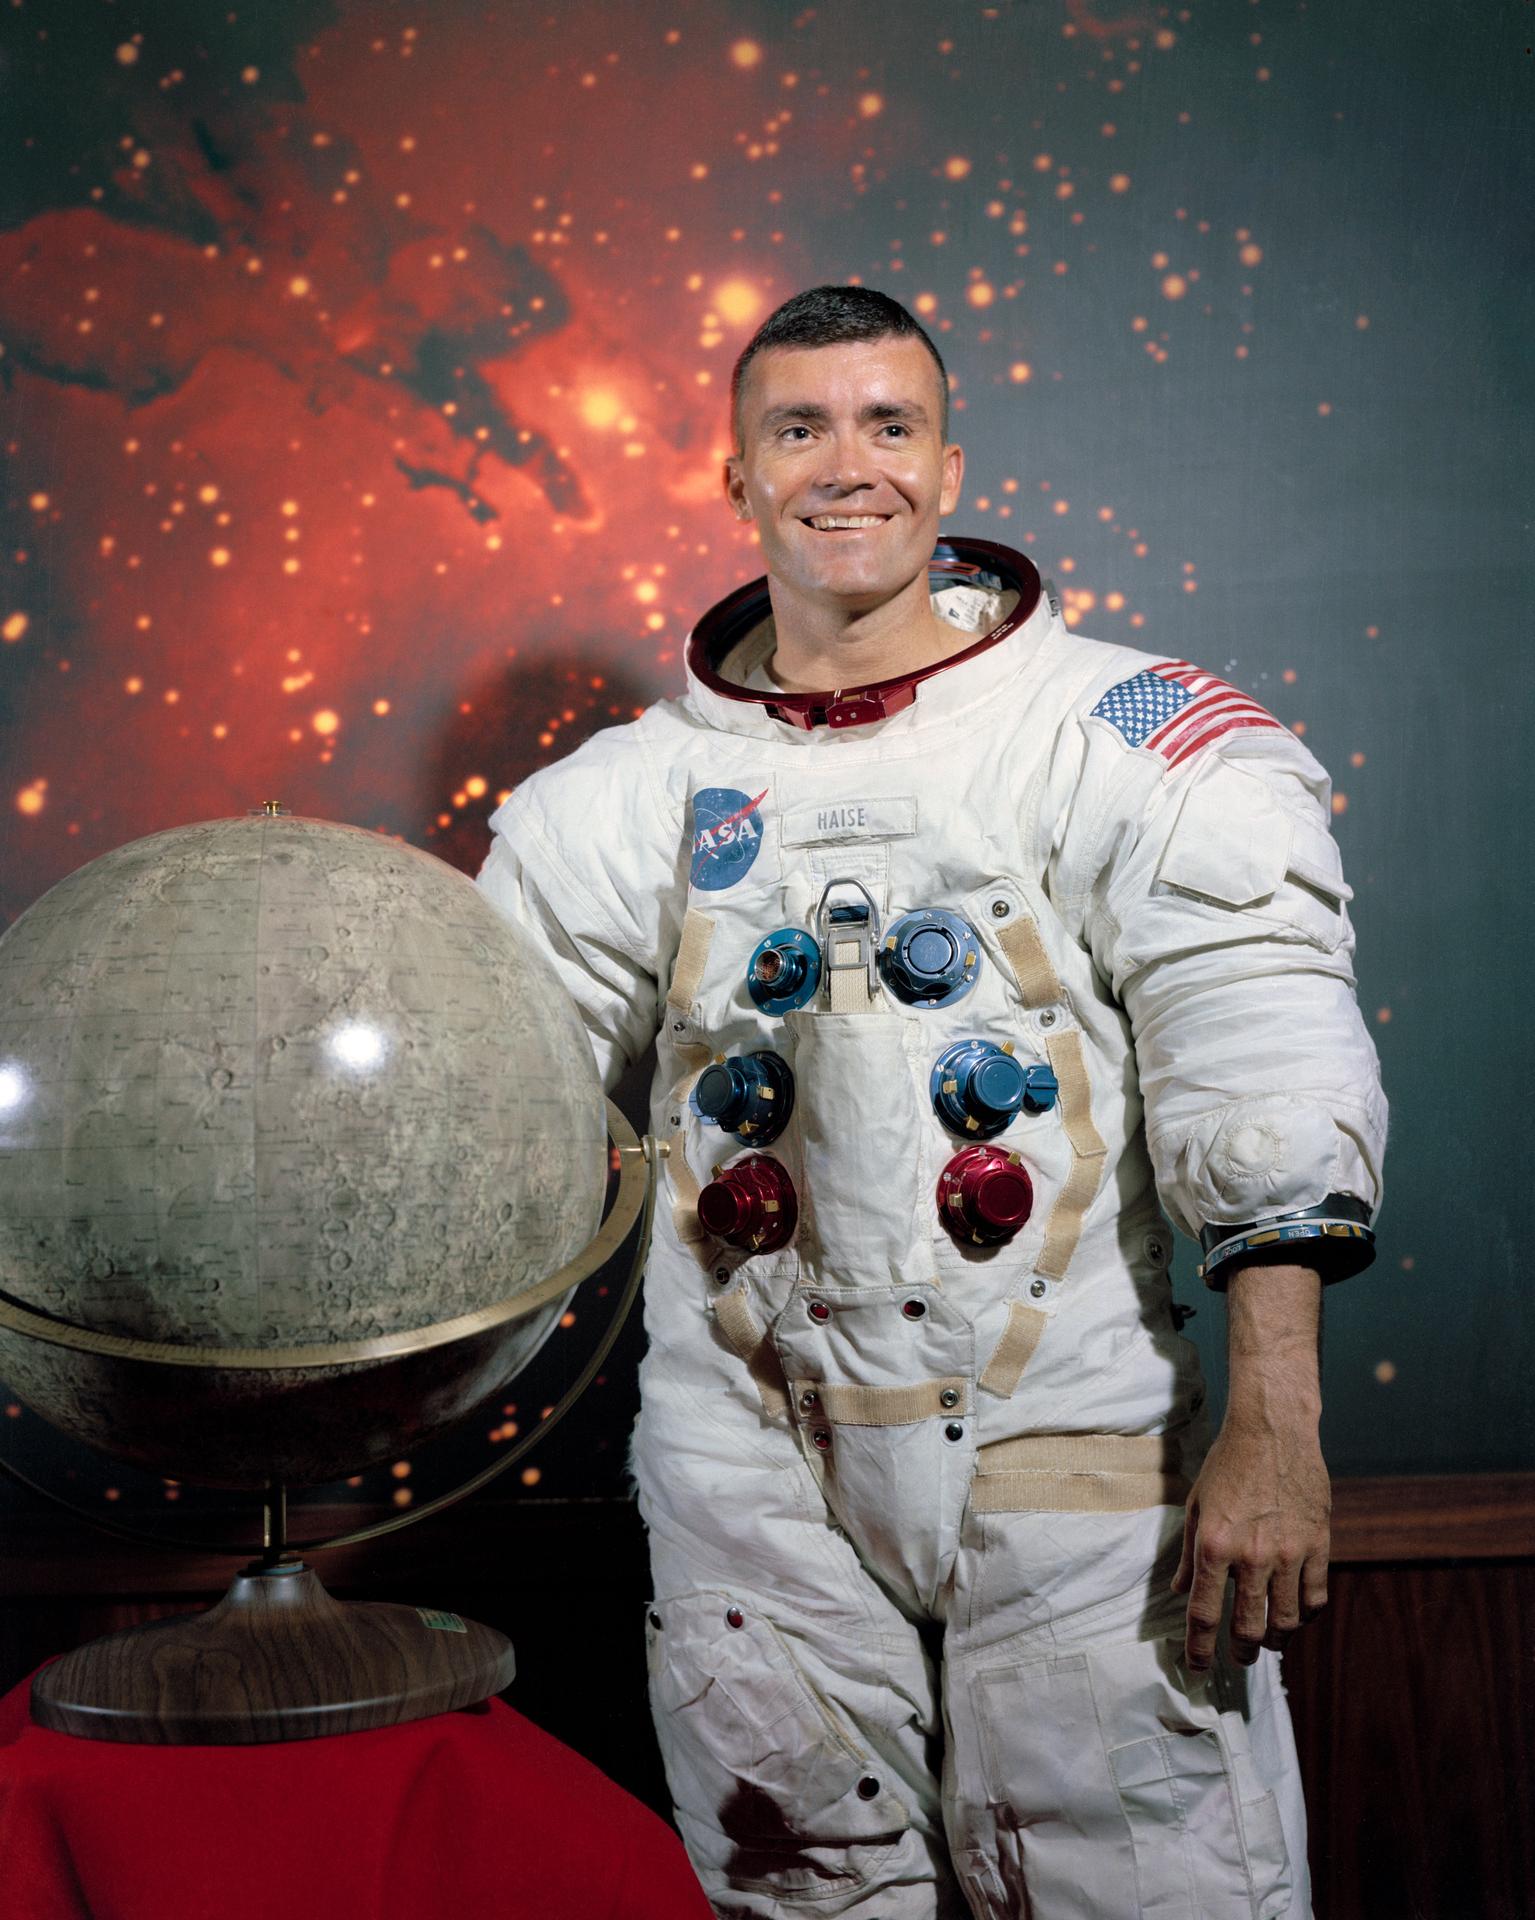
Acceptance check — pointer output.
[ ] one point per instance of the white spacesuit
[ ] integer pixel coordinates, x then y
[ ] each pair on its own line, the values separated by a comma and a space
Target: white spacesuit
952, 982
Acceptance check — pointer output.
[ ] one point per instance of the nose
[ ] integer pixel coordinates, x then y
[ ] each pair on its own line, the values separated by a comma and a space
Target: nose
848, 464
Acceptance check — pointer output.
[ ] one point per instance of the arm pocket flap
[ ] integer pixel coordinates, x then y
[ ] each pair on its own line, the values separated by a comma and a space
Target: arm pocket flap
1316, 862
1231, 842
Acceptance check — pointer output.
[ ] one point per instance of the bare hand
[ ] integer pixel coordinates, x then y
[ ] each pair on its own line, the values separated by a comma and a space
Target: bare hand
1258, 1513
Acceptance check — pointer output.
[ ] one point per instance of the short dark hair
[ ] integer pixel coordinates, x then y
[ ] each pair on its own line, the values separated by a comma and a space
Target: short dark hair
828, 317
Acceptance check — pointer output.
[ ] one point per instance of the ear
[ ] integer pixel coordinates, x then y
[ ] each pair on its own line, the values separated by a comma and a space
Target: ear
953, 479
735, 489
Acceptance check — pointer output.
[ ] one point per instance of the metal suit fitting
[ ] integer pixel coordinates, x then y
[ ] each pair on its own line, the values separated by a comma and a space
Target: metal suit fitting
984, 1196
842, 923
784, 971
751, 1205
977, 1088
930, 957
749, 1097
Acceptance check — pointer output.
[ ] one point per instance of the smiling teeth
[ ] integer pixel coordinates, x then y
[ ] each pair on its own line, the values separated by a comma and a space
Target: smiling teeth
825, 522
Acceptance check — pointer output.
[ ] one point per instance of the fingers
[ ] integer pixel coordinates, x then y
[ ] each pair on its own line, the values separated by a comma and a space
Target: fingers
1207, 1597
1284, 1613
1313, 1585
1185, 1571
1273, 1599
1250, 1614
1279, 1570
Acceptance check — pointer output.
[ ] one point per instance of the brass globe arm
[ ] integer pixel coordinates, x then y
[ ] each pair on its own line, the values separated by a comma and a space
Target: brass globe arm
387, 1346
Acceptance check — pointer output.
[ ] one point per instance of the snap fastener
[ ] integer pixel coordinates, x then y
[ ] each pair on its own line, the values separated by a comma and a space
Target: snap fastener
822, 1438
1038, 1289
914, 1309
818, 1310
655, 1620
734, 1617
809, 1398
1046, 1018
953, 1431
679, 1026
1000, 909
868, 1787
1156, 1248
949, 1397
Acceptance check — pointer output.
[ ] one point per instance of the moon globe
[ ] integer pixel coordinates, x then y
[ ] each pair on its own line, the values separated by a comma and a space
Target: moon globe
302, 1151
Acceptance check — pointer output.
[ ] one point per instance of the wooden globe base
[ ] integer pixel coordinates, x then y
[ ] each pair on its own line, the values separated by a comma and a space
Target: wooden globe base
276, 1659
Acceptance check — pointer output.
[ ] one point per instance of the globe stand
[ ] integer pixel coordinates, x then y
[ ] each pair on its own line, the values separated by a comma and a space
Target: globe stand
278, 1658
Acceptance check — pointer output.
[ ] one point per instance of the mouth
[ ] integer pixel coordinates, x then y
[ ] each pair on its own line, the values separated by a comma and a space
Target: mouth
844, 523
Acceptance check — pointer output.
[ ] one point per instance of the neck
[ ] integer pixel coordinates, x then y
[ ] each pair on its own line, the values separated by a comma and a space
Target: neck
821, 649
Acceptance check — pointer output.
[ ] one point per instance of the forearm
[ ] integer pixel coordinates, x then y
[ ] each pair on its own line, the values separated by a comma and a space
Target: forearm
1273, 1327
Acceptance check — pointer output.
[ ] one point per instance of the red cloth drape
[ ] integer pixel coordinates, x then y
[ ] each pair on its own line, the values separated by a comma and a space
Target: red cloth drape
450, 1818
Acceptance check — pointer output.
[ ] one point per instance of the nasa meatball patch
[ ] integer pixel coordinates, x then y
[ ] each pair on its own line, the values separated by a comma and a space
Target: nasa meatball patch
727, 835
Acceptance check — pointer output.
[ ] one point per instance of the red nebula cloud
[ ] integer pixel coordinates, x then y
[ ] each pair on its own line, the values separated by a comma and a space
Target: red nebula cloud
391, 390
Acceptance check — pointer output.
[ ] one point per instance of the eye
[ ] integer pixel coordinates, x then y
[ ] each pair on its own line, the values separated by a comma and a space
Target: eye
895, 426
785, 432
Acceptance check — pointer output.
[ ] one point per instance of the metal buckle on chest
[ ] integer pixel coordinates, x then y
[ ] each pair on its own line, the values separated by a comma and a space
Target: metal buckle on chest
848, 923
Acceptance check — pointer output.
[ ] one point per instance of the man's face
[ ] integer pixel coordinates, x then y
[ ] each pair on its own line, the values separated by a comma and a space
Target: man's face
843, 468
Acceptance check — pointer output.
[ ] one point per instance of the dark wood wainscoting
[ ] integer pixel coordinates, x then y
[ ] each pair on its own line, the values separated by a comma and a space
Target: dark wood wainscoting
1413, 1695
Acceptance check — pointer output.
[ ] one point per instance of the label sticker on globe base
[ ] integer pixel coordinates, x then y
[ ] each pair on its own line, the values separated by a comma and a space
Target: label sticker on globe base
443, 1622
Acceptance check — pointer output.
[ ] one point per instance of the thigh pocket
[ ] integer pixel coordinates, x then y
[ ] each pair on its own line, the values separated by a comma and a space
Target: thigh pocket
772, 1789
1125, 1793
1199, 1848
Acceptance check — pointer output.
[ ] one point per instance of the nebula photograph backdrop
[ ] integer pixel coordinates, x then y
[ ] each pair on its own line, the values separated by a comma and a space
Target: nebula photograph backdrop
363, 396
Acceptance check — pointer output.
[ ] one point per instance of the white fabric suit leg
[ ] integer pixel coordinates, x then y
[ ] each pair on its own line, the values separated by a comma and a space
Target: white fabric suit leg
795, 1704
1072, 1774
1085, 1776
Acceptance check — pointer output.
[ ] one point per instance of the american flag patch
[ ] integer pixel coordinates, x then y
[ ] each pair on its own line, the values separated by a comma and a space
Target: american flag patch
1176, 710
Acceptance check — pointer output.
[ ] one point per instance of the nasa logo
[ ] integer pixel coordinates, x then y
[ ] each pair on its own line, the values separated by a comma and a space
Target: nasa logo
727, 833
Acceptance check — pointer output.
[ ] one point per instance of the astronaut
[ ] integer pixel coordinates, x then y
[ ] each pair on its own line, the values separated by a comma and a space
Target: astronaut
973, 951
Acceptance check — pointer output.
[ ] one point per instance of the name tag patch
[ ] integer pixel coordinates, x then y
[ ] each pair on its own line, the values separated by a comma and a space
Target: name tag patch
849, 817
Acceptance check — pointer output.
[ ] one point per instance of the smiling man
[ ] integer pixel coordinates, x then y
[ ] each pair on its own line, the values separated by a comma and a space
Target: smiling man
847, 540
973, 950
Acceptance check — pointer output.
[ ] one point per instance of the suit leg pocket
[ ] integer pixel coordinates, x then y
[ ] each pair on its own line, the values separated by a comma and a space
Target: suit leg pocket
1118, 1790
1199, 1848
773, 1790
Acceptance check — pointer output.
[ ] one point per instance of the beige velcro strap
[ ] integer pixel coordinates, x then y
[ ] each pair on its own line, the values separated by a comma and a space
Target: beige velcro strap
1063, 1228
1015, 1349
1040, 986
690, 1229
745, 1332
841, 1405
692, 958
694, 1056
1038, 981
1079, 1473
1065, 1051
848, 982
